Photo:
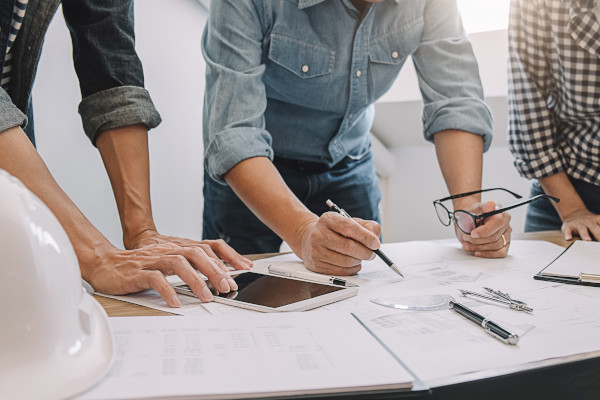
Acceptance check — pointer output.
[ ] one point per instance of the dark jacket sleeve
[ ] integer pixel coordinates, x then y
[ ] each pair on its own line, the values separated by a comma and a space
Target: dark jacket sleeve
110, 73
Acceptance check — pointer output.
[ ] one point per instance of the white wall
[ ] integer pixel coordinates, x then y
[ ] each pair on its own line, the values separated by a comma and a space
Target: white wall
174, 73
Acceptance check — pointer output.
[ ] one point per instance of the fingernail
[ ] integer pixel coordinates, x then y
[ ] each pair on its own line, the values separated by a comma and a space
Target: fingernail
206, 295
372, 256
249, 263
477, 254
224, 286
175, 302
475, 235
232, 284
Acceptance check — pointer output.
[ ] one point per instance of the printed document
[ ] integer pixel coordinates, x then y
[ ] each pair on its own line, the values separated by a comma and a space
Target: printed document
246, 355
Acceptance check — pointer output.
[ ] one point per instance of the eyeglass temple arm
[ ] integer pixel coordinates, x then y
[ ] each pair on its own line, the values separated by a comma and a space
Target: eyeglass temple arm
457, 196
501, 210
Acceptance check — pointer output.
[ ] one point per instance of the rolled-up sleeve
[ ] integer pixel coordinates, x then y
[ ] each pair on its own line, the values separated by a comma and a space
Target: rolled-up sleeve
533, 138
235, 96
10, 115
110, 73
449, 76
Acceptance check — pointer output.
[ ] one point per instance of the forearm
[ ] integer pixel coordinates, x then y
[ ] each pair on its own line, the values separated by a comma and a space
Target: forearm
19, 158
124, 152
460, 156
260, 186
559, 185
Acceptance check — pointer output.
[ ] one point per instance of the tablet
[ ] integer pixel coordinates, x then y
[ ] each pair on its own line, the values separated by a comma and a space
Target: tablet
269, 293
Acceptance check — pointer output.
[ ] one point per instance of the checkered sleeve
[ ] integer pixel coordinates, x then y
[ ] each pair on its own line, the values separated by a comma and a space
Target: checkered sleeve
532, 133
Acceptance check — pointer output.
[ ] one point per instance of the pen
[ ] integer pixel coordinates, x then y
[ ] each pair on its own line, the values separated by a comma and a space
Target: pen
380, 253
309, 276
490, 327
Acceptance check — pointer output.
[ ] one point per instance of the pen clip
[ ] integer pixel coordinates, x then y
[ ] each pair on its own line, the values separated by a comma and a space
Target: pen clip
278, 273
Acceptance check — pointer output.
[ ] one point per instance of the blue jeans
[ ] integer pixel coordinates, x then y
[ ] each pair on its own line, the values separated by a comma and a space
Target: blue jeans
352, 184
541, 214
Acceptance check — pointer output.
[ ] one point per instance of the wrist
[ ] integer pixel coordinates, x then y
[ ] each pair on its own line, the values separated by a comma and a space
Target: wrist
133, 235
570, 210
91, 257
464, 203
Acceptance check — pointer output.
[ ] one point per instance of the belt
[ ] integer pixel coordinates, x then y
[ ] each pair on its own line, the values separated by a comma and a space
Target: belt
309, 167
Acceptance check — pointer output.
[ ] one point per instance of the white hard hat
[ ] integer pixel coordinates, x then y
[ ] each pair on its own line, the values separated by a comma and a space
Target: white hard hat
55, 341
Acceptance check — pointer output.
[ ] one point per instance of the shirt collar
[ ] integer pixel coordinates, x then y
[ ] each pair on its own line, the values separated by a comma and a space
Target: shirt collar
309, 3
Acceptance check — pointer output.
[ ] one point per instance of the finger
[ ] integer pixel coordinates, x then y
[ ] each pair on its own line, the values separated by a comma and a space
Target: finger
179, 265
491, 229
493, 253
332, 269
341, 246
227, 253
209, 267
567, 232
350, 229
370, 225
595, 230
211, 254
157, 281
583, 232
496, 244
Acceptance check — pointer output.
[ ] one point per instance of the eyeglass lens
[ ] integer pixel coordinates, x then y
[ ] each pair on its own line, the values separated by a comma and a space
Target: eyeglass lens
443, 214
465, 221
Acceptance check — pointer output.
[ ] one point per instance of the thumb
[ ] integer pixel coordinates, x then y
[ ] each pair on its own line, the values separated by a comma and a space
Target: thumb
489, 206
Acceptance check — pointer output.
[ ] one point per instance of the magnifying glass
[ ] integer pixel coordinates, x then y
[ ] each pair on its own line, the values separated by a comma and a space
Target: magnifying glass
418, 303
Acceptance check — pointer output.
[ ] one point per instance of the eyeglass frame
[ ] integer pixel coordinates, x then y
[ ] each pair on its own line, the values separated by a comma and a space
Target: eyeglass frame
451, 214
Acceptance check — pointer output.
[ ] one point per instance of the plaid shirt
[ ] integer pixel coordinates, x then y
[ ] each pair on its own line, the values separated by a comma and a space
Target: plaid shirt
554, 88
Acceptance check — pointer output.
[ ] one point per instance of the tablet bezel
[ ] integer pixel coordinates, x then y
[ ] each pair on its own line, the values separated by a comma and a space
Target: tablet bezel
303, 305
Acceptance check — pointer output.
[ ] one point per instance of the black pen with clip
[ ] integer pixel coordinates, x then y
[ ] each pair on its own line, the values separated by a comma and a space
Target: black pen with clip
490, 327
380, 253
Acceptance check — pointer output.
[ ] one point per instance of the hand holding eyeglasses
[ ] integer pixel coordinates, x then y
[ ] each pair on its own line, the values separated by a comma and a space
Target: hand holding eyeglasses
483, 229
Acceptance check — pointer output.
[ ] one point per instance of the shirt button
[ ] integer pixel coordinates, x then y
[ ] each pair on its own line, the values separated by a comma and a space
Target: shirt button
305, 68
350, 116
358, 73
395, 54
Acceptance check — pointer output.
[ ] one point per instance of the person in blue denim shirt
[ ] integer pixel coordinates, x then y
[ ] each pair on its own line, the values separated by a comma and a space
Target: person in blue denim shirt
117, 113
290, 87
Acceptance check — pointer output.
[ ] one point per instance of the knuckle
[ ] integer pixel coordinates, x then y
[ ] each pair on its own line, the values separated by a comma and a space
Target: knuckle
179, 259
348, 247
155, 276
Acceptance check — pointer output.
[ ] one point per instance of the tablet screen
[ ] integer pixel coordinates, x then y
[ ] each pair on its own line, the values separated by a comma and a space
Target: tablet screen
272, 291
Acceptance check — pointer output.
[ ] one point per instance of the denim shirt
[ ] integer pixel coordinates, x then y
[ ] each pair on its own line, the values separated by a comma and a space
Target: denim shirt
299, 78
110, 73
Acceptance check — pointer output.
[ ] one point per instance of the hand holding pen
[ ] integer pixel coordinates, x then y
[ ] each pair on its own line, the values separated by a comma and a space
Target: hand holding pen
380, 253
336, 246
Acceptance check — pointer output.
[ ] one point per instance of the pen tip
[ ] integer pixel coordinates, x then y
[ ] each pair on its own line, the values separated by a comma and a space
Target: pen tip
329, 203
397, 270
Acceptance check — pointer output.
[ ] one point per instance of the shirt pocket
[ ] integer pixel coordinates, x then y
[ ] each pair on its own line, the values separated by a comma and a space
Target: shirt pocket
388, 52
298, 72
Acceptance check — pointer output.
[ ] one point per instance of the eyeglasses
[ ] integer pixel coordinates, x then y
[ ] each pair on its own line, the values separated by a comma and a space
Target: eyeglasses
467, 221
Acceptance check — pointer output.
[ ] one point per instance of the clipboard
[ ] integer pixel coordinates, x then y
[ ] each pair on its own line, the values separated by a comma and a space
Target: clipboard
577, 265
